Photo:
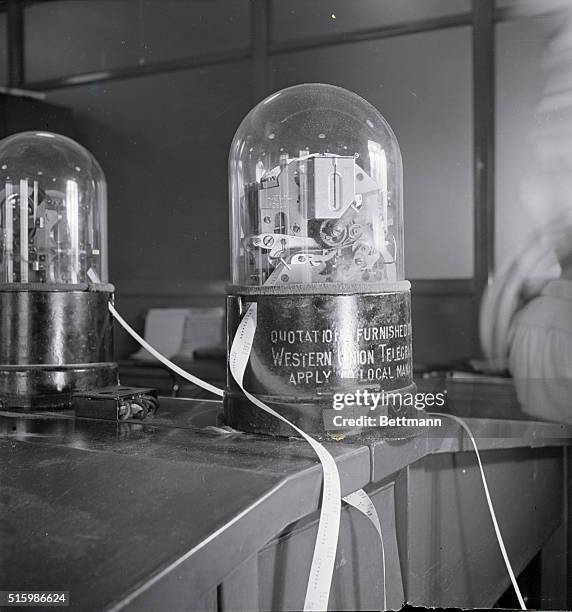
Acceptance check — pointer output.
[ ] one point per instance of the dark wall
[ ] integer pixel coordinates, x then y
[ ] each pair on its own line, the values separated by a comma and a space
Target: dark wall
163, 139
421, 83
444, 326
163, 142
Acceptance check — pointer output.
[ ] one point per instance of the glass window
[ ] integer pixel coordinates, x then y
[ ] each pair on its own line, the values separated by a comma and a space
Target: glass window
80, 36
422, 85
297, 19
524, 8
519, 84
518, 4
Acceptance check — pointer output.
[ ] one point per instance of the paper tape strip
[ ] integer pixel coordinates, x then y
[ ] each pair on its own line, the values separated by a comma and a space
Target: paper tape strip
319, 583
173, 366
361, 501
498, 534
317, 593
322, 569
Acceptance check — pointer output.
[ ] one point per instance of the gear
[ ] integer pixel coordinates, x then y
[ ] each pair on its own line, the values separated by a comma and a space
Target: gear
332, 234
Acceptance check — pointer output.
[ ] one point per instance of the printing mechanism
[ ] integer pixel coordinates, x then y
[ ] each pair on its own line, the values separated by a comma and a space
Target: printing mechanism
320, 218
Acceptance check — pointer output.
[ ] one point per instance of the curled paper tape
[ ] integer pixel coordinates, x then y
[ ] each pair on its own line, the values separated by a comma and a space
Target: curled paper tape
322, 569
162, 358
361, 501
498, 534
321, 572
323, 559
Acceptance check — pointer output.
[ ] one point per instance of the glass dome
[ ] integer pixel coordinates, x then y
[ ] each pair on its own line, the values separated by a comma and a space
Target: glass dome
315, 182
53, 211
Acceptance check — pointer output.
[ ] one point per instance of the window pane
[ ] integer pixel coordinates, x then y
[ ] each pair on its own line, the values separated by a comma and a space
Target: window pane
525, 8
75, 37
422, 84
297, 19
517, 4
519, 84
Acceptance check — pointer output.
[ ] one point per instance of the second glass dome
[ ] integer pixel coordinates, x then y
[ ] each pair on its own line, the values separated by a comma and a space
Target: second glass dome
316, 191
53, 211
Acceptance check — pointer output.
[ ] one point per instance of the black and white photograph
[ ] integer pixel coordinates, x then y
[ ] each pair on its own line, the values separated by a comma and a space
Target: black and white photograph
285, 305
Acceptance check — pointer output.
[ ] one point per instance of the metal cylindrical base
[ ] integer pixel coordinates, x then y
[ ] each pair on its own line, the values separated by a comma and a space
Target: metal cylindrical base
54, 343
309, 351
312, 417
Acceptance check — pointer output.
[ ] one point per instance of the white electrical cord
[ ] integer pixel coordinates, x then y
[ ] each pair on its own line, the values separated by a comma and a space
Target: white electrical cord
502, 547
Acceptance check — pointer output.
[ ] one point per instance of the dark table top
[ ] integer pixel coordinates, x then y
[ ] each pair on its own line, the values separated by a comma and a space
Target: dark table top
108, 510
98, 507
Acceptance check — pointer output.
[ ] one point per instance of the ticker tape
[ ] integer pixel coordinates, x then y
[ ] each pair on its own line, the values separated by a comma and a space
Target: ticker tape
498, 534
323, 559
162, 358
317, 593
361, 501
94, 278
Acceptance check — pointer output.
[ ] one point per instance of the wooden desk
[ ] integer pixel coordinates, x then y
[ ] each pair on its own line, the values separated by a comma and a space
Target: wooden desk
165, 516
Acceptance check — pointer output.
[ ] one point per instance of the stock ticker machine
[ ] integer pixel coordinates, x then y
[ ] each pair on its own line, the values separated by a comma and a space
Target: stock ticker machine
317, 242
56, 349
316, 230
129, 506
92, 468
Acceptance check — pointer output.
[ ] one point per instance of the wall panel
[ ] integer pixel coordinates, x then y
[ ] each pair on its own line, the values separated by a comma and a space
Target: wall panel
296, 19
422, 84
71, 37
519, 84
163, 143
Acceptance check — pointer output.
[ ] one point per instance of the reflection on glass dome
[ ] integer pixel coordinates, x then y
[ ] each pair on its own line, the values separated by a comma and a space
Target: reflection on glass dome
53, 211
316, 191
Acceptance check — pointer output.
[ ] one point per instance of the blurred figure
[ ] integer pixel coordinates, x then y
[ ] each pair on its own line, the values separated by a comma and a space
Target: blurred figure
540, 344
526, 317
